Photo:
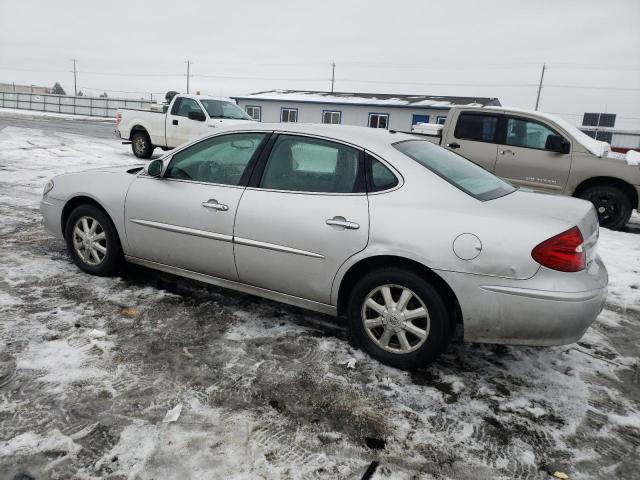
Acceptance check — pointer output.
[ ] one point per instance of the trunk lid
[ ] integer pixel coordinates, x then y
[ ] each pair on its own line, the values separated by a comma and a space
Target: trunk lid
561, 213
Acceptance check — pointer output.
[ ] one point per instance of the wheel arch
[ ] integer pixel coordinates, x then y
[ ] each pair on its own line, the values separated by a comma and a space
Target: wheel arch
359, 268
625, 187
76, 201
138, 128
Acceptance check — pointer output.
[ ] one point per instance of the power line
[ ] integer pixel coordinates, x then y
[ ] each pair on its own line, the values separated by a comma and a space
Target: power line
239, 77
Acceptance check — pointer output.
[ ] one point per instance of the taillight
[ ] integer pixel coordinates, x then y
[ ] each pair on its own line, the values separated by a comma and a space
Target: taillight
118, 118
564, 252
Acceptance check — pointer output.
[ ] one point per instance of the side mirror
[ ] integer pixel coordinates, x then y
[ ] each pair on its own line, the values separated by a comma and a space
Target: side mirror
199, 116
556, 143
154, 169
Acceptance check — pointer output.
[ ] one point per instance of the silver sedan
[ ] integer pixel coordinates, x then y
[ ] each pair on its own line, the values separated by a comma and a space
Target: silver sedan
405, 239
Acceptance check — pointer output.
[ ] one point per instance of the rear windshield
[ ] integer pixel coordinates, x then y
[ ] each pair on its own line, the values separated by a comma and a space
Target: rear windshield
457, 170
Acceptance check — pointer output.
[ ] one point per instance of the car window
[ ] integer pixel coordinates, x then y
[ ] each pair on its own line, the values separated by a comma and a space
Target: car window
220, 160
183, 106
224, 109
455, 169
527, 133
480, 128
381, 178
306, 164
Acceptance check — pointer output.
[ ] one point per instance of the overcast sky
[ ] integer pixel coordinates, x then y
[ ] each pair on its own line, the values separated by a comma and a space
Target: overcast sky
489, 48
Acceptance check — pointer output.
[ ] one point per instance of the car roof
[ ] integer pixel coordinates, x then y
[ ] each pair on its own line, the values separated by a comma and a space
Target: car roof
361, 136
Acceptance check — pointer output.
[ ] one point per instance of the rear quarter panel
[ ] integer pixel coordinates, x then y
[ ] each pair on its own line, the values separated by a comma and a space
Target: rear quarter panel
422, 219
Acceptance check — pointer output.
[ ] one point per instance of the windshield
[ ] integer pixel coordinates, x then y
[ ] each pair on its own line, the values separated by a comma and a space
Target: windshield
457, 170
223, 109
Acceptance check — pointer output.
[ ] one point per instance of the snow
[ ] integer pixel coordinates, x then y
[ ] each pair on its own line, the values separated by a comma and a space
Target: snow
90, 367
633, 157
317, 97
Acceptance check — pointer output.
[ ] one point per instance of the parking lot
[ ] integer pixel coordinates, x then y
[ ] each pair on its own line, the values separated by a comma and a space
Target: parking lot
91, 367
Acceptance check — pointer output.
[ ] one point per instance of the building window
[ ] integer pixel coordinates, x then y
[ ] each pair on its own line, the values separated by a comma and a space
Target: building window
416, 119
440, 120
379, 120
289, 115
254, 112
331, 117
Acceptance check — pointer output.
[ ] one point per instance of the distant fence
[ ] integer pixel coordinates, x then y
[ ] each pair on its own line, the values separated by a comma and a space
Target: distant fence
91, 106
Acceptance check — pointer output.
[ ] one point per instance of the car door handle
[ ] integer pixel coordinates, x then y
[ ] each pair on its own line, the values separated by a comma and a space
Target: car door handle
214, 205
342, 222
453, 145
504, 152
175, 122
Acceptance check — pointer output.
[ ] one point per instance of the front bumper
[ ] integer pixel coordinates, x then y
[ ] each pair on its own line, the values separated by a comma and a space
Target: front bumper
551, 308
51, 210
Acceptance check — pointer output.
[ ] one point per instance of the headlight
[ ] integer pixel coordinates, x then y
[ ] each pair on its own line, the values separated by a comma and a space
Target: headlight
48, 187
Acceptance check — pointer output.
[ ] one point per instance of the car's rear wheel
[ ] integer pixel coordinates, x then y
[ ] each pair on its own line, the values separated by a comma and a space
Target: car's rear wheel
141, 145
612, 205
398, 318
93, 241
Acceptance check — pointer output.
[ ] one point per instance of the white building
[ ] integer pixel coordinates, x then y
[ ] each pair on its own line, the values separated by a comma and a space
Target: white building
376, 110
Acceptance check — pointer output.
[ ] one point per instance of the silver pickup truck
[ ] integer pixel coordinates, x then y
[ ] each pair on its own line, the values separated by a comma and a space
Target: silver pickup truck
186, 118
543, 152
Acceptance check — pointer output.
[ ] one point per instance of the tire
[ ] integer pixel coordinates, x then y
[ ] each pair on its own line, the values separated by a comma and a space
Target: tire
141, 145
421, 350
612, 205
105, 241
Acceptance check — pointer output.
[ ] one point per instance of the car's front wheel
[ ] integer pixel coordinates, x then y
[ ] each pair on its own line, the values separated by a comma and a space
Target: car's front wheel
93, 241
399, 318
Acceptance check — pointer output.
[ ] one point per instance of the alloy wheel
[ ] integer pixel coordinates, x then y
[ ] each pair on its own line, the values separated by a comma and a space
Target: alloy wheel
90, 240
395, 318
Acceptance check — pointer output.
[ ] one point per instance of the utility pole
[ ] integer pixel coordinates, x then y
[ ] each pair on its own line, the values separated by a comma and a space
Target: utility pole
333, 74
75, 85
544, 66
188, 65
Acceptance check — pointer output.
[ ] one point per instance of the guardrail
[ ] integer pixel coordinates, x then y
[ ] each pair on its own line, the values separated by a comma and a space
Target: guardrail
90, 106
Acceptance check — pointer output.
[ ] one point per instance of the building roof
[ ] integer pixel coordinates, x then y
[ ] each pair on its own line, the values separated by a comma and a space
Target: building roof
388, 99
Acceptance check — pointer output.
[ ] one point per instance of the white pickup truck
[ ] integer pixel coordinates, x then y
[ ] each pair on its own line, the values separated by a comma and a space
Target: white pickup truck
186, 118
543, 152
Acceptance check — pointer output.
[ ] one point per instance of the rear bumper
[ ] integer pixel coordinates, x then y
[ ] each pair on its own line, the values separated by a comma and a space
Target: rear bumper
117, 133
551, 308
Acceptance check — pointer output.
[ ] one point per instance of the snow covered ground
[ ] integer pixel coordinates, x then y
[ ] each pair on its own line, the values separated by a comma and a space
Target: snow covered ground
154, 377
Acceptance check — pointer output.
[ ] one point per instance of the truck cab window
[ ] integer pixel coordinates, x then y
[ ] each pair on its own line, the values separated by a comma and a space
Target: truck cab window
182, 106
480, 128
527, 133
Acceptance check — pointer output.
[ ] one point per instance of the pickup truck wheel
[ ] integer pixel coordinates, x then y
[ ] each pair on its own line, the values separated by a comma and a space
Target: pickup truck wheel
612, 205
141, 145
398, 318
92, 241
